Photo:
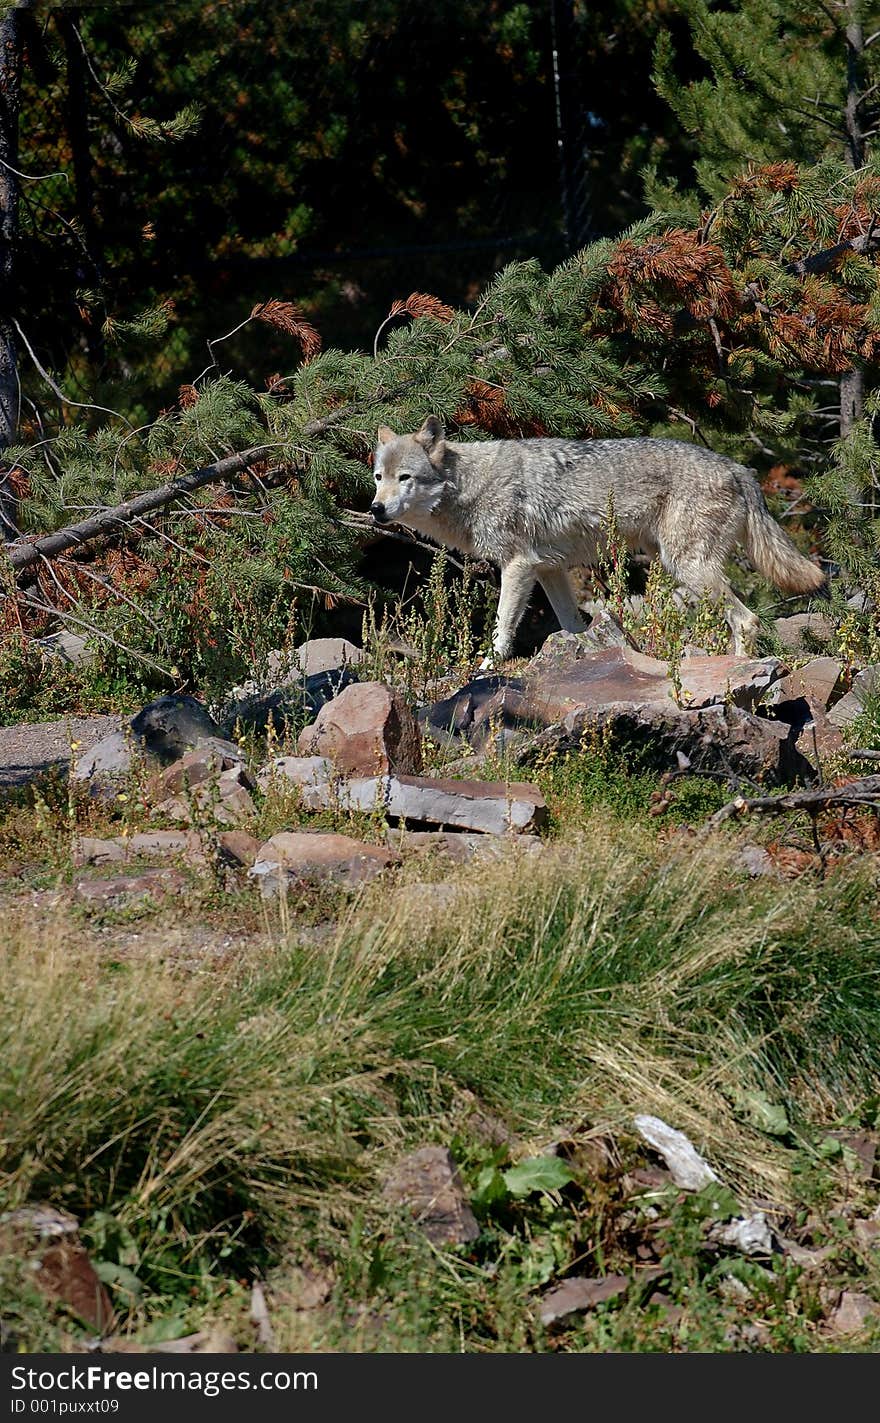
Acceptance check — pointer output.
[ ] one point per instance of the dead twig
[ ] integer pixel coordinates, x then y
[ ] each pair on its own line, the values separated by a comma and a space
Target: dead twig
863, 792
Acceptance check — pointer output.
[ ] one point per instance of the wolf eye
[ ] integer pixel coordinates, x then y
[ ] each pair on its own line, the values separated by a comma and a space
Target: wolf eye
402, 477
378, 477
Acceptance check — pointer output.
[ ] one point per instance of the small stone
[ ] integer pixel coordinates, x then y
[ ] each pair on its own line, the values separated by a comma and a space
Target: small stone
326, 654
802, 630
756, 861
817, 681
853, 1312
238, 848
686, 1165
577, 1294
301, 770
852, 705
427, 1184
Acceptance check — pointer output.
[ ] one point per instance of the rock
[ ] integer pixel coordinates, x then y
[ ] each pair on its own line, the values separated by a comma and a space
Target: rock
453, 716
493, 807
806, 1259
325, 654
853, 1312
750, 1235
62, 1270
427, 1184
163, 730
301, 855
293, 703
867, 683
816, 682
237, 848
756, 861
712, 739
605, 630
620, 679
867, 1234
130, 888
459, 846
578, 1293
687, 1167
206, 763
169, 726
368, 730
861, 1147
110, 758
802, 631
301, 770
89, 851
70, 647
224, 800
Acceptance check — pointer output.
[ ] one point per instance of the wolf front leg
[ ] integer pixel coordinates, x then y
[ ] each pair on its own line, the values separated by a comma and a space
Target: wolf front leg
517, 581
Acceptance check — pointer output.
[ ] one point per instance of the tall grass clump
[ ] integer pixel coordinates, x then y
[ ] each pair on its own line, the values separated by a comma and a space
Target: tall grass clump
609, 976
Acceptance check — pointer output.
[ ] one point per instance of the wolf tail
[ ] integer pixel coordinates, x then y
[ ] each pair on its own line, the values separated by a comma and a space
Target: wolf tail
769, 548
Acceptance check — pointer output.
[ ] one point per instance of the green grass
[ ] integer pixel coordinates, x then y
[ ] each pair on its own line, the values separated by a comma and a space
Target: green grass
197, 1122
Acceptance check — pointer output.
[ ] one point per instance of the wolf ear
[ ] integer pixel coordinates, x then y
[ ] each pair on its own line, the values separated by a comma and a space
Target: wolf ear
431, 439
384, 434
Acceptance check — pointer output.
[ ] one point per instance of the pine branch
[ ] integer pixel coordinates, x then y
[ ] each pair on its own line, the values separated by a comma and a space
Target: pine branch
23, 555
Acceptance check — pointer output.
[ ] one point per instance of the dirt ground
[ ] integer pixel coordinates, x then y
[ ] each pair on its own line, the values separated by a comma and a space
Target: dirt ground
30, 749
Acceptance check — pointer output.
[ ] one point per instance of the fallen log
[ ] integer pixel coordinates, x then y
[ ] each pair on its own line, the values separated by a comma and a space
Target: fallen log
23, 555
863, 792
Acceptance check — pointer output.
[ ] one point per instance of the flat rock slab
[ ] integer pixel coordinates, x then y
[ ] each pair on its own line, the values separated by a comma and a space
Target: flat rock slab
167, 843
867, 683
32, 749
426, 1183
817, 681
577, 1294
368, 729
492, 807
128, 889
459, 846
301, 855
619, 678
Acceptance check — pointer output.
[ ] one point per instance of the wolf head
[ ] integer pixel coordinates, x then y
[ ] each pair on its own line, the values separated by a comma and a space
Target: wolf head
409, 473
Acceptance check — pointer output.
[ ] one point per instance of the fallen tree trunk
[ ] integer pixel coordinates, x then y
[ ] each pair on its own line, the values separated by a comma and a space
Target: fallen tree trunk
863, 792
23, 555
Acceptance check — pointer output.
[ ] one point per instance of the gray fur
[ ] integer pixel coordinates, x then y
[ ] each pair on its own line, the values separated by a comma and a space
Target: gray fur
540, 507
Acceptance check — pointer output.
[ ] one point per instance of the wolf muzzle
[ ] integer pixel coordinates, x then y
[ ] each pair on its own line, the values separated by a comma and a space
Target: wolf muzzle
378, 513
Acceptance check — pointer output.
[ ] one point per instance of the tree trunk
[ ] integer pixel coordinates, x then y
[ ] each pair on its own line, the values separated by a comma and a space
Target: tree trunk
77, 118
10, 97
852, 383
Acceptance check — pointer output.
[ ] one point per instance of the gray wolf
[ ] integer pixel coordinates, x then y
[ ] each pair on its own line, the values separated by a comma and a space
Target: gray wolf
537, 507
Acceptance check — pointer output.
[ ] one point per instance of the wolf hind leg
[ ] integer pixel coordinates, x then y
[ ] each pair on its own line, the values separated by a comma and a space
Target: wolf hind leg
703, 575
560, 591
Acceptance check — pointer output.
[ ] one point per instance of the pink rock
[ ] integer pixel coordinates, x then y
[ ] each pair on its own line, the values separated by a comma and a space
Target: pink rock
293, 855
368, 729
